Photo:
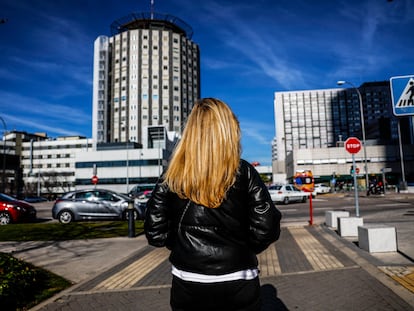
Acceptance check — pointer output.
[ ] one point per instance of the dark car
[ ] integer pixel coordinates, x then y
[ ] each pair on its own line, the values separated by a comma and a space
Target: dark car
35, 199
93, 204
140, 189
13, 210
140, 201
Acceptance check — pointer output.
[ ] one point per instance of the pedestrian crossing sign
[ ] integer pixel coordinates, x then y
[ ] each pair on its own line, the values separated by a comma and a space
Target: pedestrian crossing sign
402, 93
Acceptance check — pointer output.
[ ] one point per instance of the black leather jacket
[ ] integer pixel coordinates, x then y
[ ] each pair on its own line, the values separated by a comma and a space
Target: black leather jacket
219, 240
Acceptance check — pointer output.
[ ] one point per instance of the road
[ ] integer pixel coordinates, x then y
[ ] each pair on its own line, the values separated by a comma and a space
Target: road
44, 211
374, 208
371, 208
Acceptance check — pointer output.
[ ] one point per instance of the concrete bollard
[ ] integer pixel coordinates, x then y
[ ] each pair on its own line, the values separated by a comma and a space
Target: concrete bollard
377, 238
331, 217
348, 226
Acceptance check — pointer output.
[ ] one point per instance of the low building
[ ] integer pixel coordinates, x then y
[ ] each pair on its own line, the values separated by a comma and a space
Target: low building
335, 164
52, 167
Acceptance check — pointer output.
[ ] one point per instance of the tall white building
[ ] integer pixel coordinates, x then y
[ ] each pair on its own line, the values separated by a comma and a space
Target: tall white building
146, 74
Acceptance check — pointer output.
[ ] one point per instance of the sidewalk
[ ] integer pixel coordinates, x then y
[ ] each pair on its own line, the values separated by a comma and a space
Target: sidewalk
309, 268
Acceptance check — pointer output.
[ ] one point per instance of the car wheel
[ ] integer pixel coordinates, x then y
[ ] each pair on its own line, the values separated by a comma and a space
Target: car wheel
286, 200
304, 199
4, 218
65, 217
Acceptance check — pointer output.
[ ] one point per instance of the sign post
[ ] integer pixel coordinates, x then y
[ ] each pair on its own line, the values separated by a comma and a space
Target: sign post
94, 180
402, 96
353, 145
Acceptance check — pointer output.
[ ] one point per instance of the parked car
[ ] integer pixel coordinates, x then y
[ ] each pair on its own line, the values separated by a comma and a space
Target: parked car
141, 200
13, 210
322, 188
140, 189
287, 193
35, 199
93, 204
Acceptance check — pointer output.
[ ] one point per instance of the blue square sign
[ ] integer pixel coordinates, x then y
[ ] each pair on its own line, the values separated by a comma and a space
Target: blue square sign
402, 93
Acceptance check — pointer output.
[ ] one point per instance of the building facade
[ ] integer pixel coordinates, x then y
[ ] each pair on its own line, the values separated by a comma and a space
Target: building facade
321, 119
51, 167
146, 74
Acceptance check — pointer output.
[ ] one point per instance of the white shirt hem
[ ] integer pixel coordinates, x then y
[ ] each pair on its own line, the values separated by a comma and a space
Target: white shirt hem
248, 274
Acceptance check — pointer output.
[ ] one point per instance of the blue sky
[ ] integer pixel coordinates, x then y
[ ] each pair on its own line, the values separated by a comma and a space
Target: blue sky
249, 50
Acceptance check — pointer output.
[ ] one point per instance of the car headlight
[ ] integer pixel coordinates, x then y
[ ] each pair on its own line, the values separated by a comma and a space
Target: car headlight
14, 206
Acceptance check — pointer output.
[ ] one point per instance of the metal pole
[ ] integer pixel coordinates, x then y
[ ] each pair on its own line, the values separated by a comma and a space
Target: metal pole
361, 111
403, 183
363, 136
140, 164
355, 186
127, 168
310, 209
131, 220
38, 183
3, 183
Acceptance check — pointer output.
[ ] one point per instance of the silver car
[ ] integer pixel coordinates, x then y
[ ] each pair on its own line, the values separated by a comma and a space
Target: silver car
287, 193
93, 204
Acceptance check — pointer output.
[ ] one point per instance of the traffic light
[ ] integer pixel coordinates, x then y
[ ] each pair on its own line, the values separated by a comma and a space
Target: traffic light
351, 171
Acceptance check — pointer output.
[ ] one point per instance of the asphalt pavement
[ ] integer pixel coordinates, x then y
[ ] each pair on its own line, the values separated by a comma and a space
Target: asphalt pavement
311, 267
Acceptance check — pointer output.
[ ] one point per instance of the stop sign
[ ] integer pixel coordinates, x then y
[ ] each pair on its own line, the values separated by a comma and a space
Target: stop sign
94, 179
353, 145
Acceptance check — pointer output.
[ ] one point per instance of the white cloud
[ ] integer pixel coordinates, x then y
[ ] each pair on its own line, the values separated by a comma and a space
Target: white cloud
42, 110
257, 131
37, 125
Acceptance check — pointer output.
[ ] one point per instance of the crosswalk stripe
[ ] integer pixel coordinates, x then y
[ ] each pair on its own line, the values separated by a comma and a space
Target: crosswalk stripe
135, 271
317, 255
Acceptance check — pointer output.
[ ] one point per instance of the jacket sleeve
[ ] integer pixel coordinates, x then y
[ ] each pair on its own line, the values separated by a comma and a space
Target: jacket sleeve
156, 224
264, 217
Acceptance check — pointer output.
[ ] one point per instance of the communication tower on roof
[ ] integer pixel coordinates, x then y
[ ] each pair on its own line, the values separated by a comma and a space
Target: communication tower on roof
152, 9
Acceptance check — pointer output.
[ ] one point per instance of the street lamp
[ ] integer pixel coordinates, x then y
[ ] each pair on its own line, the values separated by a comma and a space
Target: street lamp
127, 167
3, 183
362, 127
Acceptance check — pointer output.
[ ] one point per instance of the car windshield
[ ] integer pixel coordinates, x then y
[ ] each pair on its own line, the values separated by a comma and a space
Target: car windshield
275, 187
6, 198
123, 196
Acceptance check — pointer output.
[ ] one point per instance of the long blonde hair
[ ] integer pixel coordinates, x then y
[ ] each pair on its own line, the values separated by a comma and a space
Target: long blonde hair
205, 161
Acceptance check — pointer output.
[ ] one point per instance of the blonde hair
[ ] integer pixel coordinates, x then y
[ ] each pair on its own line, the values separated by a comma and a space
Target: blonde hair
205, 161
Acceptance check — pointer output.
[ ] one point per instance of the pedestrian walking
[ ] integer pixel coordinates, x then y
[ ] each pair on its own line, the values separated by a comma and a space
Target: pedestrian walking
214, 213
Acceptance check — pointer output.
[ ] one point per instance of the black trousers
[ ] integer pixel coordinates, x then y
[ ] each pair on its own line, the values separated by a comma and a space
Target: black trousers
222, 296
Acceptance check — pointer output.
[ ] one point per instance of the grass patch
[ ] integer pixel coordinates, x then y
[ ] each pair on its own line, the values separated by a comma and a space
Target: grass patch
23, 285
72, 231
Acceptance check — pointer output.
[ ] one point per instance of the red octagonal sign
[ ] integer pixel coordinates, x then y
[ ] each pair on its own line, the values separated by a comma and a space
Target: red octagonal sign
94, 179
353, 145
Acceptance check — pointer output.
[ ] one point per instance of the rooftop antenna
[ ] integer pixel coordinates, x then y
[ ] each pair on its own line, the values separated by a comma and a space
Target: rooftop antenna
152, 9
